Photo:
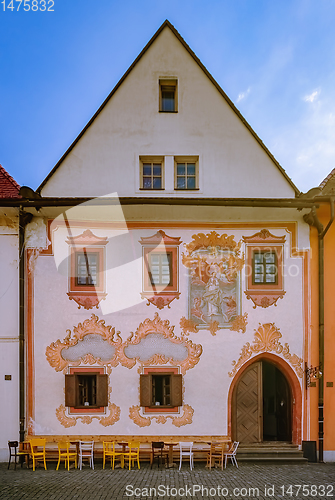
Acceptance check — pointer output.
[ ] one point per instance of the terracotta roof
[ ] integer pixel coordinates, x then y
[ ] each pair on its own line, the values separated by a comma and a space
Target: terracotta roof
8, 187
328, 184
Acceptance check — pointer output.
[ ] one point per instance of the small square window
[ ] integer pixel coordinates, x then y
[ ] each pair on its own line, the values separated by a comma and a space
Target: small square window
86, 390
161, 390
160, 268
186, 174
168, 96
151, 175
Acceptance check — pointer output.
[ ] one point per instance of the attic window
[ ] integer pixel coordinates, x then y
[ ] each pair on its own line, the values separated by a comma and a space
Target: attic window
168, 96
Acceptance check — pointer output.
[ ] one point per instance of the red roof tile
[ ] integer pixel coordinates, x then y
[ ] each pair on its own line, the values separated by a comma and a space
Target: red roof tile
8, 187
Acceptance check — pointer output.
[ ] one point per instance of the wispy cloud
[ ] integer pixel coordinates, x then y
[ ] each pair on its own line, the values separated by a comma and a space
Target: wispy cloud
243, 95
313, 96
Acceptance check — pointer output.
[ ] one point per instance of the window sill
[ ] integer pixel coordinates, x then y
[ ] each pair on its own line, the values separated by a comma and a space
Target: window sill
87, 299
264, 298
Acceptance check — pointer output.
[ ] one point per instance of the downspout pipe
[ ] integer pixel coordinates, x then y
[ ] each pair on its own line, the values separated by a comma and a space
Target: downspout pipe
24, 219
312, 220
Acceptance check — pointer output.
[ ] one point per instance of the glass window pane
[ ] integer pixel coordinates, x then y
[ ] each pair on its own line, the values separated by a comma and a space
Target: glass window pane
180, 168
168, 100
258, 269
258, 258
181, 184
147, 183
259, 278
157, 169
146, 169
154, 258
271, 269
271, 278
191, 169
157, 183
190, 182
270, 257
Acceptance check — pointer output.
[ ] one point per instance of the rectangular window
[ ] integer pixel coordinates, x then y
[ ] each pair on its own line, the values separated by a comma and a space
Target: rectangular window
161, 390
186, 173
160, 269
151, 174
168, 96
86, 390
264, 267
87, 268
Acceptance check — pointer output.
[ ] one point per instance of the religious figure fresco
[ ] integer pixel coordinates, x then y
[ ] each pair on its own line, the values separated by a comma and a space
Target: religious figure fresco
214, 262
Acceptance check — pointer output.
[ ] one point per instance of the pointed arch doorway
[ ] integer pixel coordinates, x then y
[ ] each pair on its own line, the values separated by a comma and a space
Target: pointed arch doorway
262, 404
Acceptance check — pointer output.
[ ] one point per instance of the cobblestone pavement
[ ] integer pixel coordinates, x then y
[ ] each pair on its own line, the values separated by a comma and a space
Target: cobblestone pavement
249, 481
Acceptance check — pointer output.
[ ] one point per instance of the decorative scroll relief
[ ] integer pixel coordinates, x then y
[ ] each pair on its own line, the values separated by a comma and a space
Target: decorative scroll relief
266, 339
66, 421
154, 343
92, 342
185, 419
215, 262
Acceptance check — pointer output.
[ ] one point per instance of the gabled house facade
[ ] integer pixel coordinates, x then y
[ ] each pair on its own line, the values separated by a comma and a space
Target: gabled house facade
168, 271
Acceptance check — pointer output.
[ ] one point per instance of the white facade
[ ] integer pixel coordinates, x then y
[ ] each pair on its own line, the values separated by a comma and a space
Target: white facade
9, 334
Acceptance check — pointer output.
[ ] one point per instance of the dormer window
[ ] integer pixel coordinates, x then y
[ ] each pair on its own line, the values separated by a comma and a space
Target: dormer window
168, 96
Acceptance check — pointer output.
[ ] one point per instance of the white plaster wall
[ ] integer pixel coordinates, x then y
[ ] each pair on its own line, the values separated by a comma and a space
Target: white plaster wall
106, 159
206, 385
9, 337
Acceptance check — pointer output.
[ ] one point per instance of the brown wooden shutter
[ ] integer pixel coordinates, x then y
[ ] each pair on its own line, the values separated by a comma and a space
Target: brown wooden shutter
176, 390
145, 390
70, 390
102, 390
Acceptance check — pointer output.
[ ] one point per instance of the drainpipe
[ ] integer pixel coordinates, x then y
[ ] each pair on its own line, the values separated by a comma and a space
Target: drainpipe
24, 219
312, 220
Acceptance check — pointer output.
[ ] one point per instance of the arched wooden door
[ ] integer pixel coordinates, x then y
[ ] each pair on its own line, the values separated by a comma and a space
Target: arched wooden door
247, 406
262, 405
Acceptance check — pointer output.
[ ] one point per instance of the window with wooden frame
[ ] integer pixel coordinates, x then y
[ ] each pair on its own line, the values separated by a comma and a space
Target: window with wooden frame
86, 390
160, 269
186, 173
264, 268
168, 96
161, 390
87, 269
151, 173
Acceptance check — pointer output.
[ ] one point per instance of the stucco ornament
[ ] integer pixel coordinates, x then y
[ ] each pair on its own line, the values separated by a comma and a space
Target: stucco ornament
71, 421
266, 339
214, 262
157, 338
57, 352
184, 419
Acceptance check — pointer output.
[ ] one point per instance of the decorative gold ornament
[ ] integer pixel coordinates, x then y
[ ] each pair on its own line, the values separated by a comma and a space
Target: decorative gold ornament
187, 326
266, 339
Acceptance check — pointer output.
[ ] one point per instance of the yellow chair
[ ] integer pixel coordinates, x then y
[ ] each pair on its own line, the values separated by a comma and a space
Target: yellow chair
133, 453
37, 450
66, 455
110, 452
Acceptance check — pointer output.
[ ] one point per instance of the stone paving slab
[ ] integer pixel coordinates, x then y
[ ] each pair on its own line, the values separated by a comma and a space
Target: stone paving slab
249, 481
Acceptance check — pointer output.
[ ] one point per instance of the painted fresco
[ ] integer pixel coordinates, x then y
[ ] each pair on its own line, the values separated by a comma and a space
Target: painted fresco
214, 262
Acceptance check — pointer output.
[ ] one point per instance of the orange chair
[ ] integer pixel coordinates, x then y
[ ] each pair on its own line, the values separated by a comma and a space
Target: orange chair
66, 455
133, 453
215, 455
37, 450
110, 452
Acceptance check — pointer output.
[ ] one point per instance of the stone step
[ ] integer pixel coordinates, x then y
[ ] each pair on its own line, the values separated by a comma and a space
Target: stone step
271, 452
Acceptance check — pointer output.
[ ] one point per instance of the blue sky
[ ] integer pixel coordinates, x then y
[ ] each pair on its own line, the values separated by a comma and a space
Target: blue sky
274, 58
